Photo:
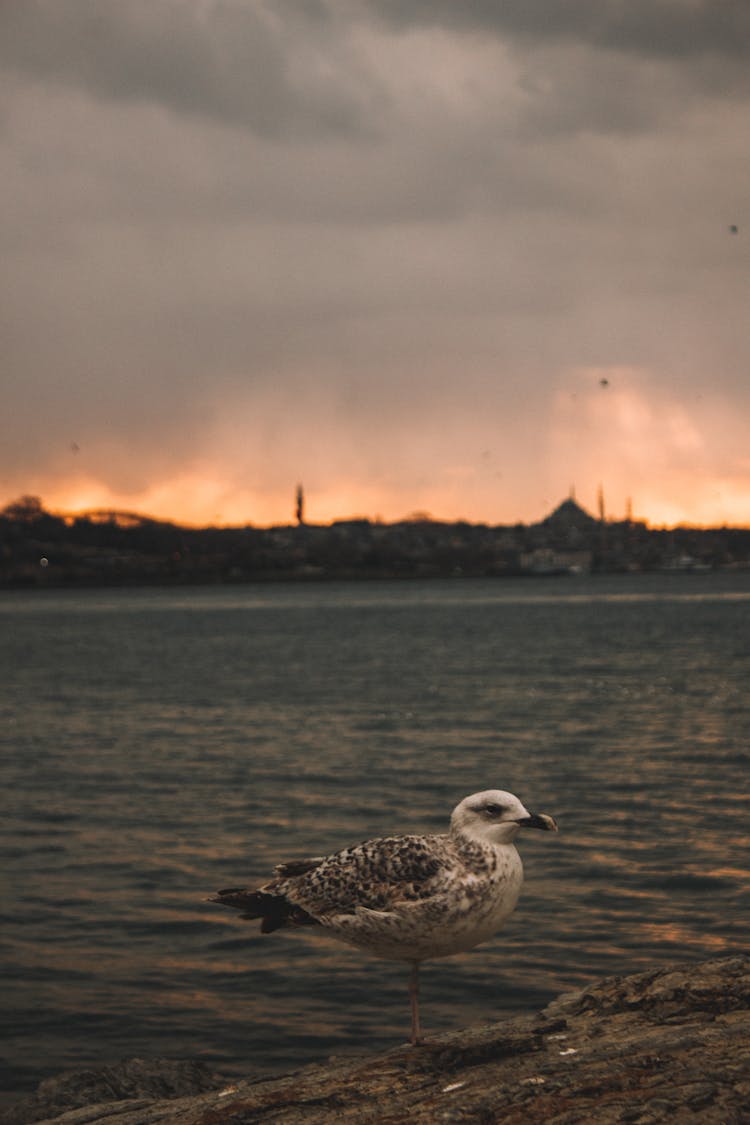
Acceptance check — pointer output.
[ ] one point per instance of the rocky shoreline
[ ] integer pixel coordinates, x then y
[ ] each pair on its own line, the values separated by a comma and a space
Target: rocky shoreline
671, 1045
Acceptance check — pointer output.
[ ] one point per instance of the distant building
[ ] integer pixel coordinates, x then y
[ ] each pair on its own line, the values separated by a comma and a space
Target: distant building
568, 517
300, 504
547, 560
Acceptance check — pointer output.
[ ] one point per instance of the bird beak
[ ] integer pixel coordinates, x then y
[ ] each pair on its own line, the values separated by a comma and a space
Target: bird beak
539, 820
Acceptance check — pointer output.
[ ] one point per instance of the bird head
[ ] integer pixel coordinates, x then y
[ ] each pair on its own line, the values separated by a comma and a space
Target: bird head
496, 817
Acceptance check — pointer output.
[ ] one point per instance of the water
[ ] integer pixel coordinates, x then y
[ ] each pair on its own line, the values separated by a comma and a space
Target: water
159, 744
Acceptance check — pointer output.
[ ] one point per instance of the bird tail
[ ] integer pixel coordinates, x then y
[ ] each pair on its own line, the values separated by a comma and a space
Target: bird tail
274, 910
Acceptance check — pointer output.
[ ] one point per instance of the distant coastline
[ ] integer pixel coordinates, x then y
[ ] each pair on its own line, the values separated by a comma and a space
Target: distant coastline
39, 549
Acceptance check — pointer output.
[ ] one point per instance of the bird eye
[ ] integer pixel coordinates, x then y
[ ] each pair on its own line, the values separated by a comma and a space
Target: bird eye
495, 810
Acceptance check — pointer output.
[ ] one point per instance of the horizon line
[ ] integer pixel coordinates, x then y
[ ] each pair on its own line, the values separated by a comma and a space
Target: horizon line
412, 517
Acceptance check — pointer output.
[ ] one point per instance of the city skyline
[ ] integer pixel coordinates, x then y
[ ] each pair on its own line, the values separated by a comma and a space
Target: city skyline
420, 257
29, 507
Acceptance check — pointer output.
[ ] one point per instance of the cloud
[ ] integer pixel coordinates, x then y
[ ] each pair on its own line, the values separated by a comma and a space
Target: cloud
238, 63
664, 28
677, 454
366, 246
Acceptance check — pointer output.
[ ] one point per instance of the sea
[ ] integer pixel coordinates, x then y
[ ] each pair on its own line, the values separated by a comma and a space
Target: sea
158, 744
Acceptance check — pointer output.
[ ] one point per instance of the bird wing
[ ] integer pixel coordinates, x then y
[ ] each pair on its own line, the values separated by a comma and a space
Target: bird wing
297, 866
376, 875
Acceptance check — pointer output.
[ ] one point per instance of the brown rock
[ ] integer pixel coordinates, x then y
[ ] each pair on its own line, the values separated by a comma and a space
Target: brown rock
668, 1045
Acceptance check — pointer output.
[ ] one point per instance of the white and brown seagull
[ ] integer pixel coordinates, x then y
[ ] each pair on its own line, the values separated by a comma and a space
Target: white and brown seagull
406, 898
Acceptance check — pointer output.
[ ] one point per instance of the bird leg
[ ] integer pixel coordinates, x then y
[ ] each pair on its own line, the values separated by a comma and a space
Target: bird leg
416, 1031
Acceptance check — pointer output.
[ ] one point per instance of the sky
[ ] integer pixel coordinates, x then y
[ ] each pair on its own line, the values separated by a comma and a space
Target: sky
446, 257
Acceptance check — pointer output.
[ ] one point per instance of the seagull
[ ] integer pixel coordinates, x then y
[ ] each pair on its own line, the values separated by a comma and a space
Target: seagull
406, 898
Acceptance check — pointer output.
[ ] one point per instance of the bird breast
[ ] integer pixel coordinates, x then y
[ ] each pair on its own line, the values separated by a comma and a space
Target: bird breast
468, 910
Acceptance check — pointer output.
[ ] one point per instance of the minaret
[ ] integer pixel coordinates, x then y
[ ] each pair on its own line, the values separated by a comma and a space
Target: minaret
300, 504
603, 531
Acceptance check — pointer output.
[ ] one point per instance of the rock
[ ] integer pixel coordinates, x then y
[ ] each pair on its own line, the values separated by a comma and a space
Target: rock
668, 1045
144, 1079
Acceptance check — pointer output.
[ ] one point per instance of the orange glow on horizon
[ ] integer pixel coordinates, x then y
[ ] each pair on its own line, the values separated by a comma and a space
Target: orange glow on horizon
670, 460
667, 453
196, 500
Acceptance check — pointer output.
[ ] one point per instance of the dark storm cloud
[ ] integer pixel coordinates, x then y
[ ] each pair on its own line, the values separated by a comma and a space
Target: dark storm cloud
240, 63
599, 65
666, 28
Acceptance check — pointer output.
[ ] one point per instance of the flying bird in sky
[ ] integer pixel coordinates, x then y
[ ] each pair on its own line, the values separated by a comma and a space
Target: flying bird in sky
406, 898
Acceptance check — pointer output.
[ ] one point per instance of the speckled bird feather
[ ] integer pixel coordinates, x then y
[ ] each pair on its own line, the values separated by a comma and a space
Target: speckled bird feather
392, 895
